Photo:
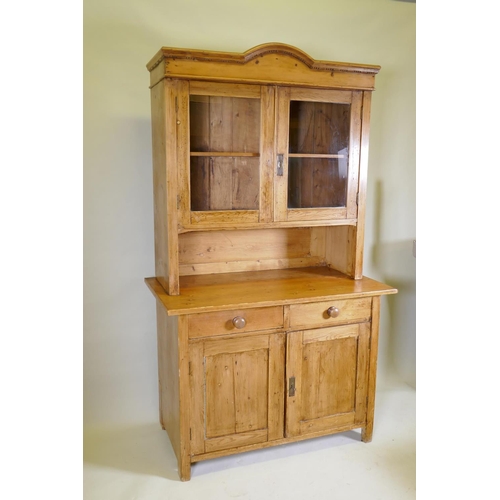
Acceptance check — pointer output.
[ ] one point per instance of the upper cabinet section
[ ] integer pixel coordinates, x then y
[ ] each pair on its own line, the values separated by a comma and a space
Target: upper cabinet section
259, 161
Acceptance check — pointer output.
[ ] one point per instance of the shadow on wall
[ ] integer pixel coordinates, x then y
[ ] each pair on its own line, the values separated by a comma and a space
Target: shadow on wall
397, 266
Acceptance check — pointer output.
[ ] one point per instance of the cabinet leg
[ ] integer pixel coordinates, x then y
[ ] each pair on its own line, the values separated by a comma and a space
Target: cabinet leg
184, 465
367, 433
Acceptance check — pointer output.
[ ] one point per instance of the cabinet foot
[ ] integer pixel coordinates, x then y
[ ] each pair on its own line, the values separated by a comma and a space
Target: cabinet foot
185, 469
367, 433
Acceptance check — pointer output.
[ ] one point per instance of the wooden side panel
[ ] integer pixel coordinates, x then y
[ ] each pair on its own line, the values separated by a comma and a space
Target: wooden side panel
362, 183
168, 375
367, 433
173, 376
341, 249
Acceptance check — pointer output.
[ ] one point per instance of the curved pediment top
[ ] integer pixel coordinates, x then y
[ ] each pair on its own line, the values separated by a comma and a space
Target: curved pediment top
291, 51
255, 52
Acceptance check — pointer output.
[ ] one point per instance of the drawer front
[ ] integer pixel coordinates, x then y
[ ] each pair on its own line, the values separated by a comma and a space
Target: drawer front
343, 312
235, 321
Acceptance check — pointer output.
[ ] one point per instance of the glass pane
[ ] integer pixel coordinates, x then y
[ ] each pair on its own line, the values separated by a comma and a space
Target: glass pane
224, 183
317, 182
319, 127
224, 124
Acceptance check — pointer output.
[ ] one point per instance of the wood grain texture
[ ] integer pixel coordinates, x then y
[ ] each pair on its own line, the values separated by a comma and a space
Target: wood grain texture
264, 288
367, 432
267, 63
315, 314
363, 179
330, 368
220, 322
164, 169
244, 250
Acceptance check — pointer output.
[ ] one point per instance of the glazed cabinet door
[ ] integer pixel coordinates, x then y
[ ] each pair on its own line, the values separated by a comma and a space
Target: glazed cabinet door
327, 372
237, 391
318, 151
226, 168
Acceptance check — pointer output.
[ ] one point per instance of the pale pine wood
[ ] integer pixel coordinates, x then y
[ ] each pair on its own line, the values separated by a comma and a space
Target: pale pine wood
184, 463
232, 225
267, 154
363, 175
267, 64
341, 249
304, 214
165, 209
320, 95
276, 386
221, 292
367, 432
237, 385
197, 387
223, 251
183, 159
282, 118
228, 240
236, 440
272, 443
225, 217
293, 369
248, 265
330, 372
198, 88
315, 314
173, 371
222, 153
220, 322
354, 152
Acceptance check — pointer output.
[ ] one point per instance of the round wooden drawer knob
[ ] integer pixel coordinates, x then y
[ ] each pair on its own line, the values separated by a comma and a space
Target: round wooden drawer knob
333, 312
239, 322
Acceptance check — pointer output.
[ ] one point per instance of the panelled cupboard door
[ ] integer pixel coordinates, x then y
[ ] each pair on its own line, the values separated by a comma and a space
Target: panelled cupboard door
237, 391
327, 371
226, 170
318, 151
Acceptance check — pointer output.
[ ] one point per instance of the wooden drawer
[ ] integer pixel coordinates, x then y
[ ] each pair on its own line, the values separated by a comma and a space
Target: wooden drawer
316, 314
221, 322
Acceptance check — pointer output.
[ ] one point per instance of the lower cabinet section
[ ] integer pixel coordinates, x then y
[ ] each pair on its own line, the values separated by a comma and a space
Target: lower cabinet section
223, 393
257, 388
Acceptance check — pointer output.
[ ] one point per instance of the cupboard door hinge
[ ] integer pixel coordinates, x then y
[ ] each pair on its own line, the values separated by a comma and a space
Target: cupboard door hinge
357, 198
176, 105
190, 434
291, 387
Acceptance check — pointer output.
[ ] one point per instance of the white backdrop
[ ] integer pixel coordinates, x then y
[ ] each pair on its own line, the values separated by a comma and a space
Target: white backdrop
120, 37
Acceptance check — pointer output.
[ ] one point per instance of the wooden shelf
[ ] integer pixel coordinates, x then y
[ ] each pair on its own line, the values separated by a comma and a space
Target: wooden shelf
301, 155
221, 153
218, 292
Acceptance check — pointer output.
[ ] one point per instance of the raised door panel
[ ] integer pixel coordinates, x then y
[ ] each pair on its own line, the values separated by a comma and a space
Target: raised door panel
318, 143
225, 178
237, 392
330, 370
